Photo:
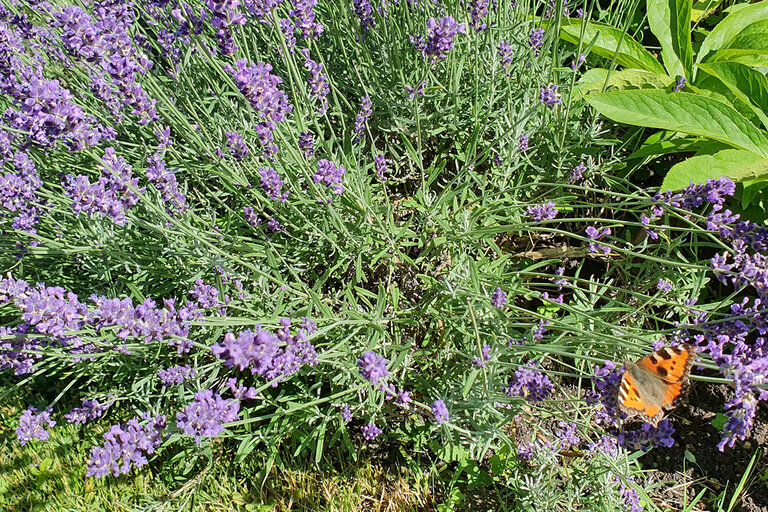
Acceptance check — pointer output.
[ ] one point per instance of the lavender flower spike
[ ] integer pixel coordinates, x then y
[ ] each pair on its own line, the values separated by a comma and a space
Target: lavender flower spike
32, 425
206, 415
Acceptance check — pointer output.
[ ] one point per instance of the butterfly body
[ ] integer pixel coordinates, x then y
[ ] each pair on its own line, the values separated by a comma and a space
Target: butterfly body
656, 383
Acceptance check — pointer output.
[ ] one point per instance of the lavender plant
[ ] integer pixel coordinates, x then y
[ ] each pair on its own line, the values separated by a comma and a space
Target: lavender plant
307, 224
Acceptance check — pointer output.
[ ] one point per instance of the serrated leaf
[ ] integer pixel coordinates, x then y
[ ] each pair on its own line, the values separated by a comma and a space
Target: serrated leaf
670, 22
593, 80
607, 40
748, 85
738, 165
682, 112
730, 27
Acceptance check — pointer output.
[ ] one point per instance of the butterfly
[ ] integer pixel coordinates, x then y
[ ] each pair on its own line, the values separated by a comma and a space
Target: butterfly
656, 383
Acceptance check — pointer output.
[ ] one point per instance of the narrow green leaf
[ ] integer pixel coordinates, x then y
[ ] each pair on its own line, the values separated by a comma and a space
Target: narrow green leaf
682, 112
593, 80
739, 165
607, 39
670, 22
730, 27
749, 86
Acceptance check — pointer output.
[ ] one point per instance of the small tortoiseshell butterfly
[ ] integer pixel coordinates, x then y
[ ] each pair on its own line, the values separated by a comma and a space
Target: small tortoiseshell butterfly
656, 383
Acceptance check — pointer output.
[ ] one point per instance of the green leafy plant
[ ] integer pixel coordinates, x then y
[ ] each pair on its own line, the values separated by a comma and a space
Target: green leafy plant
714, 102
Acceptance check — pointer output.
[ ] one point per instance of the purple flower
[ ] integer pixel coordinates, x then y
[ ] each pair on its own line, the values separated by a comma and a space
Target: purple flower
741, 413
499, 298
255, 350
260, 88
164, 180
680, 84
403, 397
631, 498
330, 175
205, 294
536, 41
380, 163
206, 415
240, 391
530, 384
32, 425
127, 446
175, 375
303, 15
607, 445
346, 414
714, 191
318, 82
145, 320
419, 91
478, 9
577, 172
112, 195
372, 366
271, 184
595, 234
90, 410
364, 12
541, 212
366, 109
262, 8
567, 435
224, 15
522, 145
18, 352
237, 146
506, 52
576, 64
648, 436
52, 310
18, 191
440, 36
549, 96
261, 352
307, 144
440, 411
606, 381
664, 286
288, 28
485, 357
371, 432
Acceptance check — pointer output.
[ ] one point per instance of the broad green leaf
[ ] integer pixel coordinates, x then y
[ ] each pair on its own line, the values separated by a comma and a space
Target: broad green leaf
753, 37
730, 27
593, 80
757, 59
607, 39
748, 85
682, 112
737, 164
702, 8
711, 87
670, 22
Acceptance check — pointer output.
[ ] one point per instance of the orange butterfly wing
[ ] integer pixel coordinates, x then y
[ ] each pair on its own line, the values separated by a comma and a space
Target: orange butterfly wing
630, 399
672, 365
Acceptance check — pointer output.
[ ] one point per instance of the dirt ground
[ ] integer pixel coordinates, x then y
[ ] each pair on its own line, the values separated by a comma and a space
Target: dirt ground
715, 470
